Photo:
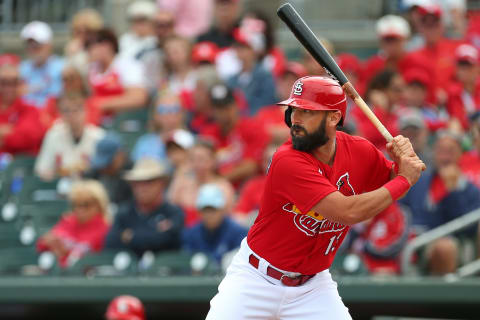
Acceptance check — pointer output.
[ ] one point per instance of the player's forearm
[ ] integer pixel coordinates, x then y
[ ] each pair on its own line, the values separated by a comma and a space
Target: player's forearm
364, 206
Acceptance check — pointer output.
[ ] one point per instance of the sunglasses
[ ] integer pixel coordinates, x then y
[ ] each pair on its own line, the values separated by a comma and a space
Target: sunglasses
83, 204
167, 109
164, 25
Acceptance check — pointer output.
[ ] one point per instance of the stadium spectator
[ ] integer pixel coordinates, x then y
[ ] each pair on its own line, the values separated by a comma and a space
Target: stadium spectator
416, 91
84, 229
204, 53
311, 65
125, 308
70, 143
239, 141
192, 17
20, 128
84, 22
148, 222
272, 58
178, 143
251, 194
470, 161
109, 161
117, 83
384, 94
464, 94
438, 53
216, 234
412, 124
256, 83
273, 117
72, 82
41, 72
180, 70
202, 113
380, 240
392, 32
152, 58
226, 15
202, 170
441, 195
167, 116
141, 35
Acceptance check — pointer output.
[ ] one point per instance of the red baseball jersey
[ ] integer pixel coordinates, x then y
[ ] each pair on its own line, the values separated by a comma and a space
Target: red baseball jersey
287, 233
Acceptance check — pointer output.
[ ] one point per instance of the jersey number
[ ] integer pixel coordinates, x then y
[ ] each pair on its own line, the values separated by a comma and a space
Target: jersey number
330, 246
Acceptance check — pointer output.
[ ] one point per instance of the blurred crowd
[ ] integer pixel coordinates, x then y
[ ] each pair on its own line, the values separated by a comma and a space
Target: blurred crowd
208, 74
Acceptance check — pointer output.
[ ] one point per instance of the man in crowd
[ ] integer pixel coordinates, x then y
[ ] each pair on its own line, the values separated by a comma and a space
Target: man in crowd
216, 234
441, 195
108, 162
42, 71
239, 142
20, 128
226, 14
70, 143
470, 161
147, 222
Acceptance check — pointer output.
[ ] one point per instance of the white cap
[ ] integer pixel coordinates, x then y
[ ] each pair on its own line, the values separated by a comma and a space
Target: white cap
182, 138
145, 9
391, 25
38, 31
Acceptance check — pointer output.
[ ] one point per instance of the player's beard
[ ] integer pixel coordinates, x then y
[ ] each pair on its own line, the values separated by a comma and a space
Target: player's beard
310, 141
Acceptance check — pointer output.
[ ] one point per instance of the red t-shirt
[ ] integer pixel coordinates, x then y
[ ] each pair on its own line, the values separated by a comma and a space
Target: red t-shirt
27, 129
251, 195
78, 238
470, 165
286, 232
246, 140
461, 104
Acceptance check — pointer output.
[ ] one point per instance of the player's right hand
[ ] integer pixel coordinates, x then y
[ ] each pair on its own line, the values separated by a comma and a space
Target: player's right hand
411, 168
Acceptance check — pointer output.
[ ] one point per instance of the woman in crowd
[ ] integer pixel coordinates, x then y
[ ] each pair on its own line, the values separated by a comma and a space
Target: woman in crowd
83, 229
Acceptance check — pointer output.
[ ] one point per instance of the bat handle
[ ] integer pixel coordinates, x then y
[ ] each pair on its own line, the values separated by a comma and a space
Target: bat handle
353, 94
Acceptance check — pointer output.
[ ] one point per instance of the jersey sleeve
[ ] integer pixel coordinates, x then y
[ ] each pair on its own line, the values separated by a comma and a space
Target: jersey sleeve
299, 181
380, 168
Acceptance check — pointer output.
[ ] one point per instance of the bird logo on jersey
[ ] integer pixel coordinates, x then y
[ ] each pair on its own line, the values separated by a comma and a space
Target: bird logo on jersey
344, 186
298, 88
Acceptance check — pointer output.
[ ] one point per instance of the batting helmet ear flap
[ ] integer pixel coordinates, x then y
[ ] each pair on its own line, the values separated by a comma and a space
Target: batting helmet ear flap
288, 116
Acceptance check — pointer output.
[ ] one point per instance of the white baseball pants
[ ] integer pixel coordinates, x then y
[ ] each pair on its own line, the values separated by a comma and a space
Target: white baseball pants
248, 293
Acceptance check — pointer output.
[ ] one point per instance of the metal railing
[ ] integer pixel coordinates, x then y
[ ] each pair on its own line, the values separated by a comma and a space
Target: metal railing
439, 232
14, 14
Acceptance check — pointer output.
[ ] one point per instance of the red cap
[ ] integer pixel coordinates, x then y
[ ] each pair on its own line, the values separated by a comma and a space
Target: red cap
205, 52
417, 75
348, 62
467, 52
433, 9
125, 308
296, 68
9, 59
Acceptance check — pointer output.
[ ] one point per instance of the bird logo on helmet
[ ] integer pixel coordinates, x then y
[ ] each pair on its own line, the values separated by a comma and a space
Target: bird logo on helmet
316, 93
125, 308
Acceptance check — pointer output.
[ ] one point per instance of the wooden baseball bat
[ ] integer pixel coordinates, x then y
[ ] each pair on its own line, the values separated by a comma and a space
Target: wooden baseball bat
307, 38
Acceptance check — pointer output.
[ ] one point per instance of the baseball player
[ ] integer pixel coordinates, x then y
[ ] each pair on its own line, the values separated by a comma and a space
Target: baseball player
319, 183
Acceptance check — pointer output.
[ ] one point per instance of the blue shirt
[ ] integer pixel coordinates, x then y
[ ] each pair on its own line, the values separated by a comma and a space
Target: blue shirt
43, 81
149, 146
215, 244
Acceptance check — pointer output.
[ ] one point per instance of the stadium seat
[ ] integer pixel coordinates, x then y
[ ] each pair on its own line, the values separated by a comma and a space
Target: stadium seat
19, 261
105, 263
43, 215
20, 167
36, 190
171, 263
130, 125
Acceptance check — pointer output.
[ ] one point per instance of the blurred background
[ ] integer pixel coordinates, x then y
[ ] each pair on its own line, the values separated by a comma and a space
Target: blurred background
135, 137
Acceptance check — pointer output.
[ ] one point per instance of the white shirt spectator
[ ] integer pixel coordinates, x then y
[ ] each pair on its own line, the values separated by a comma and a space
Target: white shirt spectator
131, 45
59, 151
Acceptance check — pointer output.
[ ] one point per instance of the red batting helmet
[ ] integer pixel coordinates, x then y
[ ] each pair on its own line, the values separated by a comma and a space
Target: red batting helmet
125, 308
316, 93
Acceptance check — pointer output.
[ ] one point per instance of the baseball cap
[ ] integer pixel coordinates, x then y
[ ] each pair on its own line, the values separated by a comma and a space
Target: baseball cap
221, 95
430, 9
146, 169
205, 51
411, 118
210, 195
251, 34
38, 31
393, 26
105, 151
142, 9
417, 75
467, 53
182, 138
348, 62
